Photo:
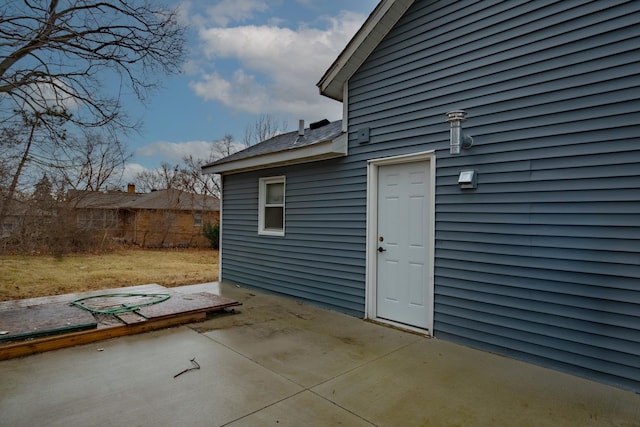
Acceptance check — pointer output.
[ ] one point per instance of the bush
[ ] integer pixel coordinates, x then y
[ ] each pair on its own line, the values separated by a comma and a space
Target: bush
212, 233
55, 234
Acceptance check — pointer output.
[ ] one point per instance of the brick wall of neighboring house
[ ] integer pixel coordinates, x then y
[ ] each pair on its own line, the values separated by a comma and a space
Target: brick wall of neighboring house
167, 228
163, 218
104, 225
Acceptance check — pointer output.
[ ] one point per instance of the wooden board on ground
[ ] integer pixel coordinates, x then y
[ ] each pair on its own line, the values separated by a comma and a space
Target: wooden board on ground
186, 303
42, 320
131, 318
177, 310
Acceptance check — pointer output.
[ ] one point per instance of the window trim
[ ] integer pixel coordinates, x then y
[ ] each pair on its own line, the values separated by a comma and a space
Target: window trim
262, 204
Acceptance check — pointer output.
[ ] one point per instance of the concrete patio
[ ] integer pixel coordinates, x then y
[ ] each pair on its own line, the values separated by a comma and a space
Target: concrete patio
280, 362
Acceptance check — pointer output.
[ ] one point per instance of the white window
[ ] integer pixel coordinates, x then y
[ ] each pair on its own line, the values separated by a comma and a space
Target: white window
197, 220
271, 215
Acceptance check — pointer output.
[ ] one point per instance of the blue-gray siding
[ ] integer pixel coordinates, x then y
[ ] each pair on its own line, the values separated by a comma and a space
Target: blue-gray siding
542, 261
321, 256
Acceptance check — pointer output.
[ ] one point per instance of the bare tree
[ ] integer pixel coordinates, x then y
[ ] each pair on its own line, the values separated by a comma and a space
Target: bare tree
20, 138
191, 171
169, 175
54, 57
157, 179
265, 127
223, 148
145, 181
82, 163
5, 173
91, 162
188, 176
185, 177
54, 53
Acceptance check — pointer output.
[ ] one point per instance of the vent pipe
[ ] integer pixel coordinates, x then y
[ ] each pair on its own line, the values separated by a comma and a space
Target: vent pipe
458, 138
301, 128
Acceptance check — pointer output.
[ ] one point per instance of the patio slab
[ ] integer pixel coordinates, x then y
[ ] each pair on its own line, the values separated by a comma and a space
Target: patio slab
303, 409
279, 362
309, 345
438, 383
130, 381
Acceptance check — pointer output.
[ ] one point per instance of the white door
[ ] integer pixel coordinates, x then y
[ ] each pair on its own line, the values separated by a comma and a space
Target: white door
403, 292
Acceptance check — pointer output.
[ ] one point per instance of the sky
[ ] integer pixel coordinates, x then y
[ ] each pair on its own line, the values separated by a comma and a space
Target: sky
246, 58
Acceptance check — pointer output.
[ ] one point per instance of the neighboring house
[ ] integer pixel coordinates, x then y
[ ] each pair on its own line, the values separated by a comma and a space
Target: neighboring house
19, 216
164, 218
526, 244
12, 222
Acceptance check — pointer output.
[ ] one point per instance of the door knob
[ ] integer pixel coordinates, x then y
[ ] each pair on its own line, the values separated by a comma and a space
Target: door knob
381, 249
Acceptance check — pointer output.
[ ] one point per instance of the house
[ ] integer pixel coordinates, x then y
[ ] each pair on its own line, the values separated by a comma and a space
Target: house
14, 219
164, 218
525, 243
21, 217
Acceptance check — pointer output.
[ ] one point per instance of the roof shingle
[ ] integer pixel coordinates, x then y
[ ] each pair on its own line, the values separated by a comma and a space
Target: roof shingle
284, 142
170, 199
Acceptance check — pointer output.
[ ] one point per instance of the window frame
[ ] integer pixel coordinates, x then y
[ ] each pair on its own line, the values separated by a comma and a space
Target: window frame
262, 205
198, 219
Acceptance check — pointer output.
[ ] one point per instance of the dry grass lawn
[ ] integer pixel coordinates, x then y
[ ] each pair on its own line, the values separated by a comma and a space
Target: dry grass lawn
28, 276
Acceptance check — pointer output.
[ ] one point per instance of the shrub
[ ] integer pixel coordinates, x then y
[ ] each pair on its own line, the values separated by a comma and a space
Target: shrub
212, 233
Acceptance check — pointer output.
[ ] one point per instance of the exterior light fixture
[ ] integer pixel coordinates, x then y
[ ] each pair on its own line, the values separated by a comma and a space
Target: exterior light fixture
458, 139
468, 179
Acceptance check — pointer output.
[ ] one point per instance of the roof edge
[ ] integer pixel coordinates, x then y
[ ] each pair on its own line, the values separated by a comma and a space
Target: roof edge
375, 28
323, 150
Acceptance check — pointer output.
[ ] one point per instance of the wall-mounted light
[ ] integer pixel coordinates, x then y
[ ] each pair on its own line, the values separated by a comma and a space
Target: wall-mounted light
468, 179
458, 139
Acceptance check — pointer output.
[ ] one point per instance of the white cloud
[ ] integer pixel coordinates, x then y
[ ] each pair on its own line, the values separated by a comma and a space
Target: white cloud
227, 11
191, 68
276, 68
131, 170
53, 93
174, 152
241, 91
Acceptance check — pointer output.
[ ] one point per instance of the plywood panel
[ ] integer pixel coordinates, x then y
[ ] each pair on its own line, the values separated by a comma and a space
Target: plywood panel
67, 298
43, 324
116, 302
39, 345
42, 320
186, 303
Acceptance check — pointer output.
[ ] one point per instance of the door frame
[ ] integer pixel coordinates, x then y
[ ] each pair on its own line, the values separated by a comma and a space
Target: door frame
371, 279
